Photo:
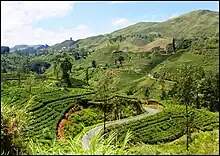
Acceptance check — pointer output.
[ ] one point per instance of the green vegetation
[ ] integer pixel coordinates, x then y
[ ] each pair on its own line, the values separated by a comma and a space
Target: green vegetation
107, 78
204, 143
168, 125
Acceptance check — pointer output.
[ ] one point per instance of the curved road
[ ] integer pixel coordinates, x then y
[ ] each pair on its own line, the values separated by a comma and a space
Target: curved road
90, 134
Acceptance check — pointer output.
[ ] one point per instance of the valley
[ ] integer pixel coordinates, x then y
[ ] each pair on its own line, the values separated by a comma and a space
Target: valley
149, 88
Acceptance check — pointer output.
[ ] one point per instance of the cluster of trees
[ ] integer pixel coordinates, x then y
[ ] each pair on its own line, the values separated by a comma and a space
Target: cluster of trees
80, 53
120, 59
196, 88
142, 36
66, 67
38, 67
119, 38
63, 63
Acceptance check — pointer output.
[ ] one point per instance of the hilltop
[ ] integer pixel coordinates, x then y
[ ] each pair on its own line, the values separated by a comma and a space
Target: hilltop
194, 24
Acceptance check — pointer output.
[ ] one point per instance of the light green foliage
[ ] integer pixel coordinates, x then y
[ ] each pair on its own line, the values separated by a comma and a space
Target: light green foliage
86, 117
203, 143
99, 146
107, 85
167, 125
13, 123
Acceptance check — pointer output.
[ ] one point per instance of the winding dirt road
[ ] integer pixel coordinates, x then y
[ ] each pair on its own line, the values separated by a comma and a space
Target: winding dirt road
91, 133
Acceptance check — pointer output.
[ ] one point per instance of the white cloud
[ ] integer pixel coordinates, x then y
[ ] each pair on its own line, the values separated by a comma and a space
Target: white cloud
82, 27
113, 2
17, 19
217, 9
154, 18
122, 22
173, 16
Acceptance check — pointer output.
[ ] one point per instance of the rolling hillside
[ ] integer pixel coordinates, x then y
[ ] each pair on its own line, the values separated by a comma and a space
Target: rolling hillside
132, 79
194, 24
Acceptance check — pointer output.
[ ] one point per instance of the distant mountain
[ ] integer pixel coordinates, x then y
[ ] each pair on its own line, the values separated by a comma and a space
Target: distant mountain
29, 48
4, 50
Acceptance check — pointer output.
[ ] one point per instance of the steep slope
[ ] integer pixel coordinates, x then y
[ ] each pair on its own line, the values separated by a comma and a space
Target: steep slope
194, 24
159, 42
134, 28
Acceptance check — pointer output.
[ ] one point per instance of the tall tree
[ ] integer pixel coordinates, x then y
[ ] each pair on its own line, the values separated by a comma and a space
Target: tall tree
173, 44
56, 62
185, 94
107, 88
121, 59
66, 67
94, 64
162, 85
87, 75
147, 94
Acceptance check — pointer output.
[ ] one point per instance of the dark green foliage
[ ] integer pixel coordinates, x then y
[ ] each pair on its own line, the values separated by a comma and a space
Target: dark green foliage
39, 66
94, 64
147, 92
197, 88
121, 59
4, 70
183, 43
173, 44
169, 48
66, 67
77, 56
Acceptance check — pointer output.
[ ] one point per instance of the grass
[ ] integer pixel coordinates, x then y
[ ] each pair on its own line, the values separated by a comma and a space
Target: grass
203, 143
99, 145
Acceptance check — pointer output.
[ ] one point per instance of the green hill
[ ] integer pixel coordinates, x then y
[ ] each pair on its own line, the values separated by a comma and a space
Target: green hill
194, 24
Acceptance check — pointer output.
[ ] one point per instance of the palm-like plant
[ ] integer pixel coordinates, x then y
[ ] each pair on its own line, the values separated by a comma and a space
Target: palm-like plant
99, 146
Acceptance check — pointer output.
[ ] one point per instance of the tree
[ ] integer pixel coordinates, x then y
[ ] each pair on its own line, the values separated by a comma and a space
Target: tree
94, 64
209, 91
83, 52
30, 82
173, 44
77, 56
4, 70
147, 93
121, 59
169, 48
107, 88
66, 67
110, 40
183, 43
56, 62
186, 80
87, 75
162, 84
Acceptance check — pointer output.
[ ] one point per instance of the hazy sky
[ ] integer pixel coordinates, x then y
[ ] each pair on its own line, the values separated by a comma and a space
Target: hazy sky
53, 22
